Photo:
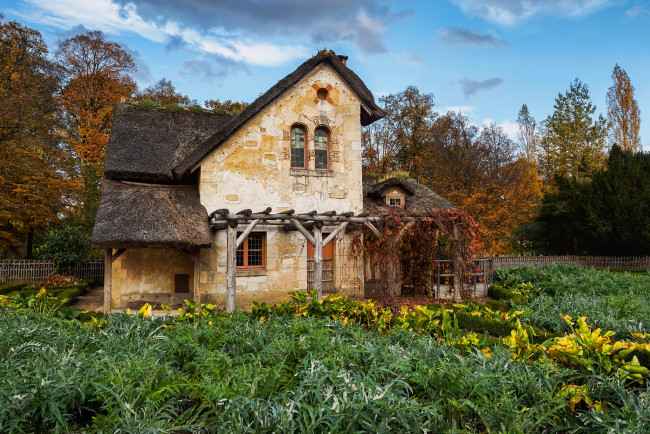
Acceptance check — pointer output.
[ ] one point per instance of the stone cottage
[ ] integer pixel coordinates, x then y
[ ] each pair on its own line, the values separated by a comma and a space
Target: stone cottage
172, 178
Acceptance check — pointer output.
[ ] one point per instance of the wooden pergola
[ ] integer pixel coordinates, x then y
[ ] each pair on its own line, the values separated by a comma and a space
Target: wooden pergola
330, 221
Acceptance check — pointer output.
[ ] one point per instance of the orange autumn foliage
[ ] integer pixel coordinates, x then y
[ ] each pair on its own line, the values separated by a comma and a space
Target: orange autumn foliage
34, 175
96, 74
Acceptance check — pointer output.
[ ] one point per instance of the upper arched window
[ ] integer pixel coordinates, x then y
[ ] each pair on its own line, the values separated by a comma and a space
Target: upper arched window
297, 147
321, 145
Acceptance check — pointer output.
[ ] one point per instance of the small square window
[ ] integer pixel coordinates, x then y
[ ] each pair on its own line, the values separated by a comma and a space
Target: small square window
395, 201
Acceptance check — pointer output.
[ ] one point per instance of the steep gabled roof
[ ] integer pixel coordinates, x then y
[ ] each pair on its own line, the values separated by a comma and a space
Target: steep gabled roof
422, 199
146, 144
139, 215
369, 114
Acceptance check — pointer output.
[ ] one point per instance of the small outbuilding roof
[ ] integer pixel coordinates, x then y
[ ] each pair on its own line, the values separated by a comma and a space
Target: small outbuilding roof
421, 199
136, 215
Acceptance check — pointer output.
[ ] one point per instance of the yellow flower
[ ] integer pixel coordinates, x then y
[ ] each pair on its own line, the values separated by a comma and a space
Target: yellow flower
145, 311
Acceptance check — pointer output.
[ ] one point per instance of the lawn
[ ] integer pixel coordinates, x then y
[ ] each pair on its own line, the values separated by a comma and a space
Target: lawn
337, 365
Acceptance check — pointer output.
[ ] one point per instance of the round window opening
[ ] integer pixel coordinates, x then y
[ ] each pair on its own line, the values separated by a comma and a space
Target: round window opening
322, 94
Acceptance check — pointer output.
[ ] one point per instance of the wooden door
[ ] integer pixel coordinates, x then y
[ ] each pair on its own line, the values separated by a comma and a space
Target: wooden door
328, 267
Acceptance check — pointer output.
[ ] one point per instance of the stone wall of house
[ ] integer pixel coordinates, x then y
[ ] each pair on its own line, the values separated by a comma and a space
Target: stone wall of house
148, 275
252, 169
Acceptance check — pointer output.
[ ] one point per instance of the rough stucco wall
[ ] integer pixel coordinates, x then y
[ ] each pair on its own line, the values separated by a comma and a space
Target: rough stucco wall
252, 170
148, 275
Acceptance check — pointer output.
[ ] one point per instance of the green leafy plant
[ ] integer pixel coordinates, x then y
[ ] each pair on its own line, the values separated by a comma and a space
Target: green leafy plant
66, 247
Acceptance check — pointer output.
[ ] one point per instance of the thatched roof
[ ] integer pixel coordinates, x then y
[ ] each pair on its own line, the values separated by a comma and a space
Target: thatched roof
420, 199
369, 114
134, 215
147, 144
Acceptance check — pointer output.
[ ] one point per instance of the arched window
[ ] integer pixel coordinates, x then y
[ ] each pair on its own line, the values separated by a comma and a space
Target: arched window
321, 139
297, 148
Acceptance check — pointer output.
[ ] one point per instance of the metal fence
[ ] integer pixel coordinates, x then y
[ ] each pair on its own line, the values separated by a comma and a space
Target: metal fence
611, 262
29, 270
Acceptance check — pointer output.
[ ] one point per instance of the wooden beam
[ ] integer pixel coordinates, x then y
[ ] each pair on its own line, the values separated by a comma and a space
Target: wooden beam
303, 231
457, 261
108, 274
197, 275
231, 269
246, 232
331, 236
220, 211
318, 261
118, 253
372, 228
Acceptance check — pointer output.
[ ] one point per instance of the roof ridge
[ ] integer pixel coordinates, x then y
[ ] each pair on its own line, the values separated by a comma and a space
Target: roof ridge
334, 60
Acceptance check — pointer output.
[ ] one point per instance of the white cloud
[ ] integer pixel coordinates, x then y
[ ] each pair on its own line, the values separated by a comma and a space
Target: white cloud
508, 127
511, 12
638, 11
118, 19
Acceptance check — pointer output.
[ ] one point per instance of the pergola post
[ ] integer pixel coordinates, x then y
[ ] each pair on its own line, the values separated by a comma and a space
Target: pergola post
197, 275
457, 261
108, 274
318, 260
231, 267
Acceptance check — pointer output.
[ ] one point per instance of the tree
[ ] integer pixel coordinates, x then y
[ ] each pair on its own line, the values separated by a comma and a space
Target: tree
573, 143
506, 194
163, 93
96, 77
33, 171
377, 149
623, 112
452, 159
226, 107
409, 119
607, 215
528, 134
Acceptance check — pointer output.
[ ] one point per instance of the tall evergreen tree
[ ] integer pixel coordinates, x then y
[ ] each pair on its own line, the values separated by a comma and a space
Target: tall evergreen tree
608, 215
573, 145
623, 112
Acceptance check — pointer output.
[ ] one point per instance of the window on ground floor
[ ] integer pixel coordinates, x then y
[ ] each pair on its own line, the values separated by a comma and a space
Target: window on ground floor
251, 255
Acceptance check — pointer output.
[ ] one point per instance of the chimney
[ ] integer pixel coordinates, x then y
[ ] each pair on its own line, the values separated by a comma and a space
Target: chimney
344, 59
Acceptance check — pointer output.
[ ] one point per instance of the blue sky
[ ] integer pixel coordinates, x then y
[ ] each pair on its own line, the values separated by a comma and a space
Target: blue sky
482, 57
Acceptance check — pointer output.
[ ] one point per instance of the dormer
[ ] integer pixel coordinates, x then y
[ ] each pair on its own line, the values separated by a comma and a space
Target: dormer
393, 192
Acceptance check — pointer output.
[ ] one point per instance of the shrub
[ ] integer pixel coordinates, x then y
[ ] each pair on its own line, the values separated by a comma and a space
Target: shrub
66, 247
6, 288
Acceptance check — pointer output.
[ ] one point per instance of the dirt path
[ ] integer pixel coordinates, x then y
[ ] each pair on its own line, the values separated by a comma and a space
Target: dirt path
93, 300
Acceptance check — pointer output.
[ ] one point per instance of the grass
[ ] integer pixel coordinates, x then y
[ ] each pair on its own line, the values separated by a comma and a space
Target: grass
612, 301
282, 373
237, 375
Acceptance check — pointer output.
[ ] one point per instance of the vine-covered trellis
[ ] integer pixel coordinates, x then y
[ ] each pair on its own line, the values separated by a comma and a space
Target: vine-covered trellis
382, 236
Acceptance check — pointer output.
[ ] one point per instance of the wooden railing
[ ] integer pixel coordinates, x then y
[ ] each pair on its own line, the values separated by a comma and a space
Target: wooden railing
28, 270
611, 262
479, 275
328, 275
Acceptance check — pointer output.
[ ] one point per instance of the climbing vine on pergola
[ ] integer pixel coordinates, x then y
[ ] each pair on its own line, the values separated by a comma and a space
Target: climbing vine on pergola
388, 229
419, 240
